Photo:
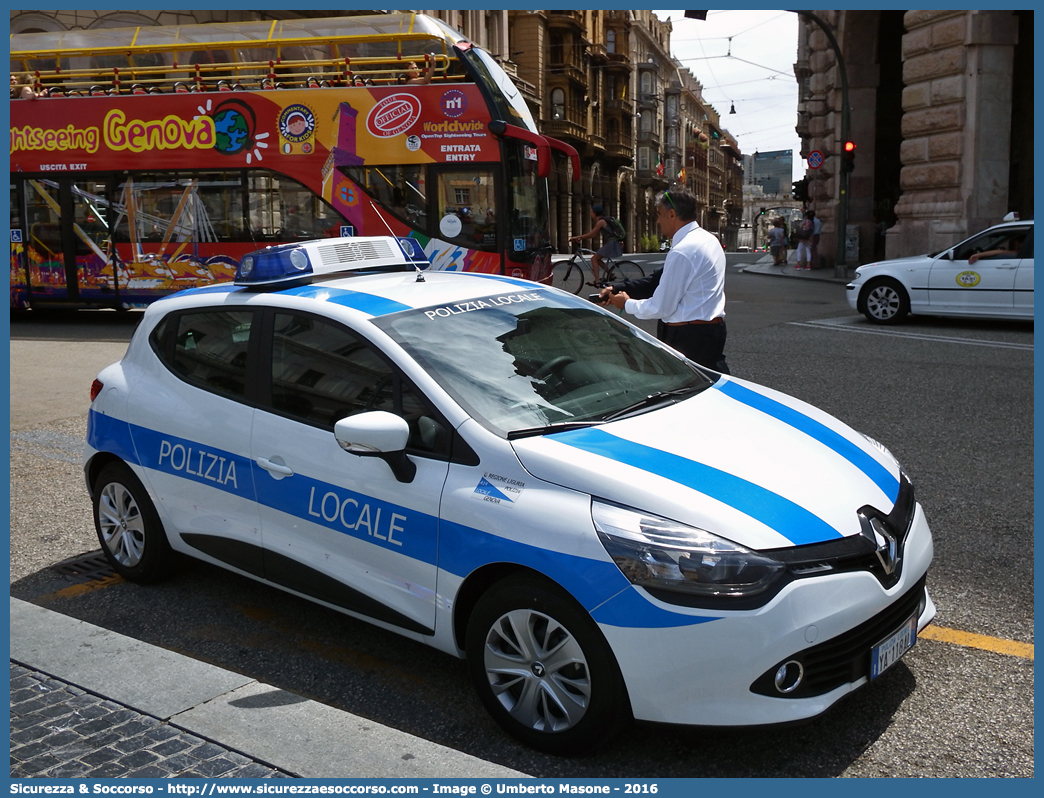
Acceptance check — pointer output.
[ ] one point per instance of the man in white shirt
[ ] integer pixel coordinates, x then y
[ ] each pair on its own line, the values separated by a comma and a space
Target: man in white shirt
688, 294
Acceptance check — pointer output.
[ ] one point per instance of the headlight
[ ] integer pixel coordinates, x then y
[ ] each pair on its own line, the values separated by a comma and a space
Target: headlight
655, 552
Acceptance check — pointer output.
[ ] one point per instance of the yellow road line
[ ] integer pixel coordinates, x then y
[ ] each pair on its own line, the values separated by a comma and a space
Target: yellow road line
986, 643
83, 587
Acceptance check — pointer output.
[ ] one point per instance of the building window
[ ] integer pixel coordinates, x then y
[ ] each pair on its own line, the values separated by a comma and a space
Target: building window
557, 104
610, 41
647, 83
643, 159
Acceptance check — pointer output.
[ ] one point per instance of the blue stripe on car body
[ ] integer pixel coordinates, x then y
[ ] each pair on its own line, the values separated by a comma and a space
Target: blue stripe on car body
356, 300
597, 584
791, 520
880, 475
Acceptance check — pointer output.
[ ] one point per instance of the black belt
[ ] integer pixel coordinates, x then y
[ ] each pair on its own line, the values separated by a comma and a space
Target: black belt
719, 320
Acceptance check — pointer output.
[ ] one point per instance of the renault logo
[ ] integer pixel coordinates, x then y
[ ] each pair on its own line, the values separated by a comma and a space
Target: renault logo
885, 542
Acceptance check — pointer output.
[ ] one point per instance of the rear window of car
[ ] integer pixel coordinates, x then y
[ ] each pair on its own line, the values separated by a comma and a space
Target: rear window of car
207, 348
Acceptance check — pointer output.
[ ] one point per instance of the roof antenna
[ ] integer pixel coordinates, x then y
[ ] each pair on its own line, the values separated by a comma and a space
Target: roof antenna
416, 268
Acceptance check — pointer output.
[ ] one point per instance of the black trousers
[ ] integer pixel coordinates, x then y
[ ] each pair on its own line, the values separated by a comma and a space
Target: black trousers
701, 343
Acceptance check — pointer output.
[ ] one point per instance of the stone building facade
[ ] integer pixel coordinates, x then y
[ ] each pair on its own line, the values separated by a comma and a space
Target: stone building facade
941, 111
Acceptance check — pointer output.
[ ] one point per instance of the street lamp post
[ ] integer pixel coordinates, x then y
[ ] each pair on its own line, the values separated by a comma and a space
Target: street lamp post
842, 176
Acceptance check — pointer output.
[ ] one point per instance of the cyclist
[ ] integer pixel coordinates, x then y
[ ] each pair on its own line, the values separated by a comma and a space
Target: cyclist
613, 246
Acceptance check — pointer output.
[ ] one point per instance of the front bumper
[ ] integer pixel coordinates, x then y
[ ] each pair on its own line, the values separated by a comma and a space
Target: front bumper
706, 673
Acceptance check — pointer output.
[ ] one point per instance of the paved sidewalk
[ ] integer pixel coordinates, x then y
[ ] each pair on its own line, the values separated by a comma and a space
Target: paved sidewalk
61, 731
765, 266
89, 702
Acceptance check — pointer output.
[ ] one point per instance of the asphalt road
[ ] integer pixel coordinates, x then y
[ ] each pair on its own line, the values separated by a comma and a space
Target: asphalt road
952, 399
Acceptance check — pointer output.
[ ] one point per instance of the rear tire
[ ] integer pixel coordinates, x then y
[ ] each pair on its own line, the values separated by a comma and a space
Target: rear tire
884, 301
627, 270
128, 526
543, 669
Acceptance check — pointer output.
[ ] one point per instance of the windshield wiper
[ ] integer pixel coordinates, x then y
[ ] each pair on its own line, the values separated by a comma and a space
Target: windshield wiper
652, 400
561, 426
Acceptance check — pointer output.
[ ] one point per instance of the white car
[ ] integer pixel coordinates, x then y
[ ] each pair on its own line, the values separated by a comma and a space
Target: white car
517, 477
987, 275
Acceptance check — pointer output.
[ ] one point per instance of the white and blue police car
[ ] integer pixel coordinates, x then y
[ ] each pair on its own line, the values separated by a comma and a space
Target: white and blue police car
515, 476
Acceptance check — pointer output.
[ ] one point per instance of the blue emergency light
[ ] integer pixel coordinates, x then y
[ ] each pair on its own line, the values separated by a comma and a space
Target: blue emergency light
285, 265
281, 264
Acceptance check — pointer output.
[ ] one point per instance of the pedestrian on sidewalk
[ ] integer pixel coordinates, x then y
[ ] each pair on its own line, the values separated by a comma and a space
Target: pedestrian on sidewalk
803, 236
777, 239
688, 294
817, 228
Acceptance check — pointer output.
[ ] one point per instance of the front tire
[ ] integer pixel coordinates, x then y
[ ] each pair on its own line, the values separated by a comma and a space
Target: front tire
569, 276
128, 526
884, 302
543, 669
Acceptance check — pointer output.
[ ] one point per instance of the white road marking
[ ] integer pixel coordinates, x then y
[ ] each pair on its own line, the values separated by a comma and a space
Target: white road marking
847, 324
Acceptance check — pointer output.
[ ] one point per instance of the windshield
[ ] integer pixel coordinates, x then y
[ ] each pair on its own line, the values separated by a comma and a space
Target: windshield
531, 359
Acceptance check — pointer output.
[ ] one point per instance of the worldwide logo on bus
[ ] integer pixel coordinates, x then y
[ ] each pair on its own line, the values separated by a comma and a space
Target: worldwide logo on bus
454, 103
393, 115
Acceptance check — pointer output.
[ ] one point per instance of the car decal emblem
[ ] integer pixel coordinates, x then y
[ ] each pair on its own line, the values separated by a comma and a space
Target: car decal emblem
886, 544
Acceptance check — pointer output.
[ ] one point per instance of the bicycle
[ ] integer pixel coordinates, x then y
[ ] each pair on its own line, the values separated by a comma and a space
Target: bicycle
569, 274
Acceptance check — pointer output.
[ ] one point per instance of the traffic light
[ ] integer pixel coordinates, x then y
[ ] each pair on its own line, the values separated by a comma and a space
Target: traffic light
848, 156
762, 211
800, 190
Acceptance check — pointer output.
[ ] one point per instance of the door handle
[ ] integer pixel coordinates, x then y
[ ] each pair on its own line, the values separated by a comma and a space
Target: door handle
277, 470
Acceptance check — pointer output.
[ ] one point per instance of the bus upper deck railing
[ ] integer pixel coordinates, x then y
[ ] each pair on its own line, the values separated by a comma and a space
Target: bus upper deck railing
375, 50
246, 75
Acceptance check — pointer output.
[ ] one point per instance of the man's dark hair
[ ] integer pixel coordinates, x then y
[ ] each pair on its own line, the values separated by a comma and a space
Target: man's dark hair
598, 209
682, 202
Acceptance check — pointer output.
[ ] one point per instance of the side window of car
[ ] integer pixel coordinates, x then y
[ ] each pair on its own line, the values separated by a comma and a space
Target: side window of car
207, 348
1008, 239
322, 372
1026, 250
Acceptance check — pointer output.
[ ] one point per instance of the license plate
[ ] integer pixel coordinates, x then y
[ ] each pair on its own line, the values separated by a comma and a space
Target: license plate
888, 652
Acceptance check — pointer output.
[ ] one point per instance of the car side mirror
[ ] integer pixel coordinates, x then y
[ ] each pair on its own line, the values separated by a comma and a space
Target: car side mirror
378, 434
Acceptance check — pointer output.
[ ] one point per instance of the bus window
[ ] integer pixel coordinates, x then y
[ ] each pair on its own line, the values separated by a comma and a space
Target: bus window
399, 190
222, 196
461, 208
284, 210
528, 229
19, 287
44, 247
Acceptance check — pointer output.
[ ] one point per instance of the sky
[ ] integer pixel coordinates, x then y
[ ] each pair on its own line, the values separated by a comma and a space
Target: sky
746, 59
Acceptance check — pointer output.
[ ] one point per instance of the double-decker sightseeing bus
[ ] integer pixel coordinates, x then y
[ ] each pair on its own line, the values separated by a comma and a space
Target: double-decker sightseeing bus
154, 158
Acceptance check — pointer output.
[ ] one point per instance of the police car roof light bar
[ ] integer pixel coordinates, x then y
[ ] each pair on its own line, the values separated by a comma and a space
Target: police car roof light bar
283, 265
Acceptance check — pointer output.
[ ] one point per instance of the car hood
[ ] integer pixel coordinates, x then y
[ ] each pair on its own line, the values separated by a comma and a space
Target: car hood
913, 261
739, 460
